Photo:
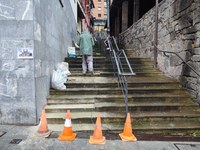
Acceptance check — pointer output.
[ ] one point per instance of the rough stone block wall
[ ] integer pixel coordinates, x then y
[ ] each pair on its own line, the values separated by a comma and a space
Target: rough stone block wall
179, 31
43, 27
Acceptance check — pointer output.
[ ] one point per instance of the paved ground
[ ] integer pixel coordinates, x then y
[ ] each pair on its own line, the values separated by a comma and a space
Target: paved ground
8, 134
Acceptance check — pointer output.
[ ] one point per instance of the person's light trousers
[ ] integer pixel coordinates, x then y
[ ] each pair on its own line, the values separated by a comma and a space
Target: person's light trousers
87, 63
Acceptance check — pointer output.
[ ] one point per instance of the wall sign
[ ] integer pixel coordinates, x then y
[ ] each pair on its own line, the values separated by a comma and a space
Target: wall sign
25, 53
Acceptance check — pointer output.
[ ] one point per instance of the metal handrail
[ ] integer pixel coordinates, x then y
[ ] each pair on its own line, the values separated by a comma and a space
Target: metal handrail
178, 57
117, 55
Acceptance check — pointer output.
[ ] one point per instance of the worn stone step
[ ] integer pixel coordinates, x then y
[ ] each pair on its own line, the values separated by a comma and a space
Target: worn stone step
131, 80
81, 100
157, 103
119, 117
102, 59
92, 79
136, 97
65, 107
159, 127
141, 106
116, 90
111, 70
72, 84
107, 79
116, 106
126, 69
110, 66
110, 73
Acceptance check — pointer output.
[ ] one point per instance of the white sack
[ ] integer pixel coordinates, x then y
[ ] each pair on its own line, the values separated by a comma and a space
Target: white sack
59, 76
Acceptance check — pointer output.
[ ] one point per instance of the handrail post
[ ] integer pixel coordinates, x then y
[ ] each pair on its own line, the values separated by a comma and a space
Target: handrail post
126, 96
156, 35
121, 74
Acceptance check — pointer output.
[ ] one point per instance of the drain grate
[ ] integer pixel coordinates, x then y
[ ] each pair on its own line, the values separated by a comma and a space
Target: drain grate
2, 133
180, 146
15, 141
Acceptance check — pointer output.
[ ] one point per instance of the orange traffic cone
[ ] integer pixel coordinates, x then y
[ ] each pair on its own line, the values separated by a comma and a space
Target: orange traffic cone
67, 134
97, 137
127, 134
43, 130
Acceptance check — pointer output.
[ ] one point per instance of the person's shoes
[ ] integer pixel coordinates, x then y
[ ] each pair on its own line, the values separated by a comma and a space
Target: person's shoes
84, 74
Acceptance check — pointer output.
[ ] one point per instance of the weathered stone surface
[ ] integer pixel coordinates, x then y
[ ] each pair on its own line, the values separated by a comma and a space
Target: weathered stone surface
189, 37
196, 51
47, 29
179, 31
9, 47
26, 89
183, 4
21, 113
175, 60
197, 42
13, 29
196, 58
189, 30
186, 79
19, 10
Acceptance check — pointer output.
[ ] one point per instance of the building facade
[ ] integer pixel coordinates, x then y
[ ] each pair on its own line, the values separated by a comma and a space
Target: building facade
34, 38
100, 14
85, 18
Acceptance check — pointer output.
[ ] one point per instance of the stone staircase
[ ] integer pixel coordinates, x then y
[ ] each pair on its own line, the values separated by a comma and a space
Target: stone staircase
157, 104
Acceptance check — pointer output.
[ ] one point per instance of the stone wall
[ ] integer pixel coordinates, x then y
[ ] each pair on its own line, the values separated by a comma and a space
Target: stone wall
179, 31
43, 28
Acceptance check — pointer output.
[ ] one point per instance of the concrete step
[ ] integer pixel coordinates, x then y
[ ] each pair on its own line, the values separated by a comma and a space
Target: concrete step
156, 127
148, 98
72, 84
111, 70
88, 100
119, 117
117, 106
103, 59
109, 65
111, 73
112, 79
157, 103
116, 90
106, 68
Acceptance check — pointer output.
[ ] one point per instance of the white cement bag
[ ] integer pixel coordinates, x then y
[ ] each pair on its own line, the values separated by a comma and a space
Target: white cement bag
59, 76
64, 68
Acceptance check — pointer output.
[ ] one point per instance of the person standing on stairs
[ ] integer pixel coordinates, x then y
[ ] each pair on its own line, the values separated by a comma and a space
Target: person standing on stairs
86, 43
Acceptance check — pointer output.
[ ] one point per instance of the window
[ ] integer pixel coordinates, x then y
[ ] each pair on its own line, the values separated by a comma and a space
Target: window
99, 2
105, 9
99, 15
105, 16
99, 8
